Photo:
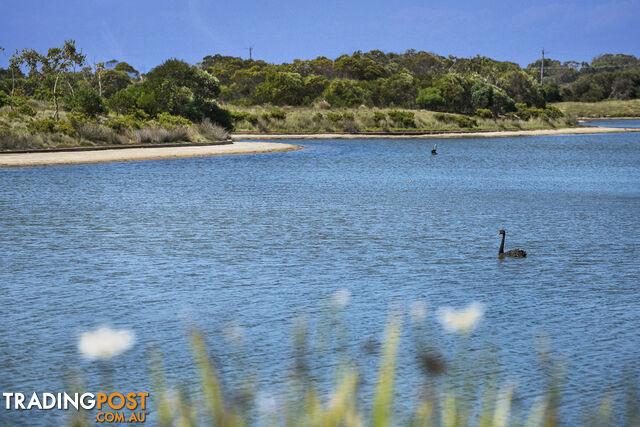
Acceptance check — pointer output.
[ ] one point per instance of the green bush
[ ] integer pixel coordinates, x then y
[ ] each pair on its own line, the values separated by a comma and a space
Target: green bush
429, 98
64, 126
48, 125
549, 112
45, 125
120, 124
278, 114
404, 118
77, 119
318, 117
13, 114
378, 117
4, 99
86, 100
484, 113
461, 121
240, 116
168, 121
27, 110
125, 101
553, 112
334, 117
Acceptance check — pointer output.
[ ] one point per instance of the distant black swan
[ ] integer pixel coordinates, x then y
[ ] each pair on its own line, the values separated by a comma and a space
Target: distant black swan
434, 152
515, 253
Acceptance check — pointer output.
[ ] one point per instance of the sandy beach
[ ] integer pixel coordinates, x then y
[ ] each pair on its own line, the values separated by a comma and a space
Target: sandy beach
252, 146
495, 134
146, 153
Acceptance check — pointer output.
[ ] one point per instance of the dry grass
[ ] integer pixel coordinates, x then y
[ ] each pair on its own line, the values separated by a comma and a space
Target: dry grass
211, 131
611, 108
157, 135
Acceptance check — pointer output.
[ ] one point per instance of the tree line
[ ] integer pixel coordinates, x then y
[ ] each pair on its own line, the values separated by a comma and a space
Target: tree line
413, 79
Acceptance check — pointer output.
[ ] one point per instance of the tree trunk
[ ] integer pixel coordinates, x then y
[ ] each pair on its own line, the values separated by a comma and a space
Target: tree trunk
55, 97
13, 84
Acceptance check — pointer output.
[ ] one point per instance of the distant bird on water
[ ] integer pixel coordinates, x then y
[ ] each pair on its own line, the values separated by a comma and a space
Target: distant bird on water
434, 152
514, 253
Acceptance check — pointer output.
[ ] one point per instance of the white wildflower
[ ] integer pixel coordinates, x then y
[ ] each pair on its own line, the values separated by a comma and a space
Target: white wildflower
418, 311
341, 298
461, 320
104, 343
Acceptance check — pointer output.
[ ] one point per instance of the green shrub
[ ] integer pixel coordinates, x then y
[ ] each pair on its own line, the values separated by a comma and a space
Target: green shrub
429, 98
240, 116
122, 123
378, 117
125, 101
484, 113
45, 125
348, 116
48, 125
169, 121
278, 114
4, 99
461, 121
86, 100
26, 110
334, 117
64, 126
553, 112
318, 117
404, 118
13, 114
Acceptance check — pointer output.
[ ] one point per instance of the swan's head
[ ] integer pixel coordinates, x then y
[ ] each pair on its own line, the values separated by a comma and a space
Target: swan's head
501, 232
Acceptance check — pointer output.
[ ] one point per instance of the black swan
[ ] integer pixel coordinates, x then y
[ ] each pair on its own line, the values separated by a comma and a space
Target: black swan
434, 152
515, 253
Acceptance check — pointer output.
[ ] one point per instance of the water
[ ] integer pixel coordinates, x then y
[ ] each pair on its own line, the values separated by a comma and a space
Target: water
261, 240
613, 123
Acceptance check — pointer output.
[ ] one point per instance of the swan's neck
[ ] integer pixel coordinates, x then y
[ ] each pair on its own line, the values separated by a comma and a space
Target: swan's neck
501, 251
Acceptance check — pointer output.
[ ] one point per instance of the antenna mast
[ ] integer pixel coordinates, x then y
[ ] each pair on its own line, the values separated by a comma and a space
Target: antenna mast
542, 67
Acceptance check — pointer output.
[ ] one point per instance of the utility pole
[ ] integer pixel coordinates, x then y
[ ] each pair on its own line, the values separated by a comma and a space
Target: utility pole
542, 67
250, 49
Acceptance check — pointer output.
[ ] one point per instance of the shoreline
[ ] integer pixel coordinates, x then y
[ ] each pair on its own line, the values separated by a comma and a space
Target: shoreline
248, 144
125, 154
582, 130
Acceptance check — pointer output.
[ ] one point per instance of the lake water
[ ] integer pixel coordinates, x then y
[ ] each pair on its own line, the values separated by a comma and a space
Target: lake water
613, 123
258, 241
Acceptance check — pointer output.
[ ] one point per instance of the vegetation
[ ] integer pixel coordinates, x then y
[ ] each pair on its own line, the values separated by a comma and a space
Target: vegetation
466, 388
372, 91
609, 108
319, 119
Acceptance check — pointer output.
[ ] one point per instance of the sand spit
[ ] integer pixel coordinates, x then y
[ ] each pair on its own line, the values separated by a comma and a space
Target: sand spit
146, 153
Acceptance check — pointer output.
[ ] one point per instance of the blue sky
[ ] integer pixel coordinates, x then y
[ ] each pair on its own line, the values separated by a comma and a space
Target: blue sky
146, 32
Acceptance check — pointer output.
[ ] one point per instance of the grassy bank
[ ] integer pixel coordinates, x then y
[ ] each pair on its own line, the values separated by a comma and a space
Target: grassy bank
321, 119
30, 126
603, 109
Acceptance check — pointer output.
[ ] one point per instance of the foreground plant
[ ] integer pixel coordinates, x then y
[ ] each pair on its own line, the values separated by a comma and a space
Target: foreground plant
455, 391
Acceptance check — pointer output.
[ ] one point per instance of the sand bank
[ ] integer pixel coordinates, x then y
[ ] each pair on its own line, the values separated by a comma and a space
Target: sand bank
509, 133
146, 153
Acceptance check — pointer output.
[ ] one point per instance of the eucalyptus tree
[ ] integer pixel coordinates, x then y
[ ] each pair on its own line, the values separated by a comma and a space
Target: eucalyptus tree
55, 64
